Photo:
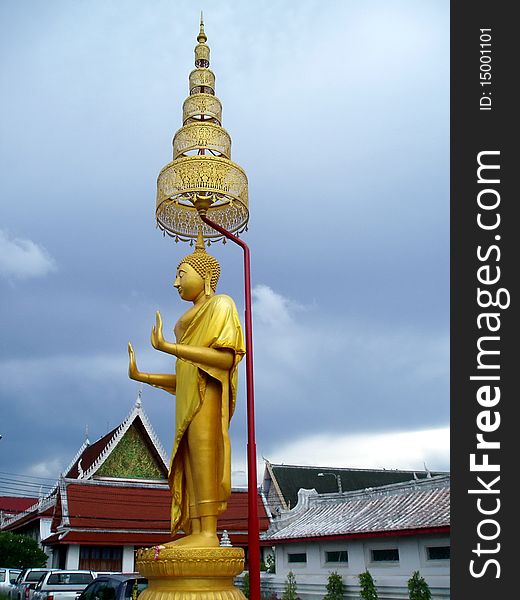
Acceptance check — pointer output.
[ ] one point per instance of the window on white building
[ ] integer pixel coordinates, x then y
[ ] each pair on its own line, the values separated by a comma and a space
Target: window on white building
101, 558
385, 555
336, 556
297, 557
438, 552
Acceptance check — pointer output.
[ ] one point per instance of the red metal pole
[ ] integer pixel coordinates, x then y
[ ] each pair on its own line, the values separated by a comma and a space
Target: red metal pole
253, 536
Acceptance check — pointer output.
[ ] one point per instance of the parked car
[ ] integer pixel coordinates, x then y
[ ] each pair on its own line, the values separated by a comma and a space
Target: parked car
62, 584
119, 586
26, 582
8, 578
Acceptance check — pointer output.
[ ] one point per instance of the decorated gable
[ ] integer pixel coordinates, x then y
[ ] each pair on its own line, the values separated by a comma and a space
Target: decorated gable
132, 458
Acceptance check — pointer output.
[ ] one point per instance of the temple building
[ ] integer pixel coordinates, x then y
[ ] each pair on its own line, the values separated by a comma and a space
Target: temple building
10, 506
391, 531
114, 498
282, 482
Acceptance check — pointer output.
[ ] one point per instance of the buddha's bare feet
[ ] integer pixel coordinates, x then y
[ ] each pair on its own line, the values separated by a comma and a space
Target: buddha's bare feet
196, 540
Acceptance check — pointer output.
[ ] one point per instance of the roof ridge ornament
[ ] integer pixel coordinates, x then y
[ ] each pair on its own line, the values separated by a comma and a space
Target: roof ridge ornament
77, 456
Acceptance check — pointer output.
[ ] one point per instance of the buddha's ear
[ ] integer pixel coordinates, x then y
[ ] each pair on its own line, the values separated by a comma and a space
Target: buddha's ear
207, 283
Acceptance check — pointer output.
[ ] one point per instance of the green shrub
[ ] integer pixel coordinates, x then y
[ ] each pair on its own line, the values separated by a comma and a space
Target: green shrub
335, 587
418, 589
20, 551
368, 587
245, 584
289, 591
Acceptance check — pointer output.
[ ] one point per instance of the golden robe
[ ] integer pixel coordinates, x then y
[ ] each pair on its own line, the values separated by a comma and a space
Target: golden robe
215, 325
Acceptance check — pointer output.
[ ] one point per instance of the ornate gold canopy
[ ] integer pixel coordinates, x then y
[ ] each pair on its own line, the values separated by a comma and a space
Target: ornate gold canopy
202, 174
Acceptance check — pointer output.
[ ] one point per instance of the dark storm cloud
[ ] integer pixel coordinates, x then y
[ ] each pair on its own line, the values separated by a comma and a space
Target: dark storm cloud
339, 114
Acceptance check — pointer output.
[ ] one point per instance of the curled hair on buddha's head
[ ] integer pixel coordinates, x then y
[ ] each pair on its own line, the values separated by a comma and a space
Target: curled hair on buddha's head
203, 263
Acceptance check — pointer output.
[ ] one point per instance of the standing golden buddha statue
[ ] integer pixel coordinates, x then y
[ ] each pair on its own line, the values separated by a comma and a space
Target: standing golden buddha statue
209, 345
201, 179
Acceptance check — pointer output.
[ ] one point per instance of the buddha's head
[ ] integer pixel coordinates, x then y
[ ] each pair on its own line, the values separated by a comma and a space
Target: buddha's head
196, 273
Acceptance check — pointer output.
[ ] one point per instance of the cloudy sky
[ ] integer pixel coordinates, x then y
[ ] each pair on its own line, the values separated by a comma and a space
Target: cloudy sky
339, 113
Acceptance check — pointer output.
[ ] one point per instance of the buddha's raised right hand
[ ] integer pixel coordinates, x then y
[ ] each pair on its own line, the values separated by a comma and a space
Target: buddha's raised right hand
166, 381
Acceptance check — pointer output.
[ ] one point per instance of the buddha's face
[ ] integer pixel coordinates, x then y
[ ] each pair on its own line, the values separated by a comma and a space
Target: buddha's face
189, 283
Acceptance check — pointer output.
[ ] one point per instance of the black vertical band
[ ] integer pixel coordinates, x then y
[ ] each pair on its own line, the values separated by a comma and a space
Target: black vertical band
484, 299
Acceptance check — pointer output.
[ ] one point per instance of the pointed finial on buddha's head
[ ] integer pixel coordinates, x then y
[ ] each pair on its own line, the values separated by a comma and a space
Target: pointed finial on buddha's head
199, 245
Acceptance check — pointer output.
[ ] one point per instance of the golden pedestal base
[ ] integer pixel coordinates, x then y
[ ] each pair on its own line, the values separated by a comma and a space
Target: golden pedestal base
177, 573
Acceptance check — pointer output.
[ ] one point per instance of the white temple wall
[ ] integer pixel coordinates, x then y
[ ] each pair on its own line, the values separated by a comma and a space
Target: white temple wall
45, 529
128, 559
72, 561
391, 577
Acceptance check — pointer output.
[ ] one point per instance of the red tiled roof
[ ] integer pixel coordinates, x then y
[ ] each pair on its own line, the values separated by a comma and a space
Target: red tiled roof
90, 454
33, 513
107, 538
234, 518
414, 506
16, 504
138, 512
117, 507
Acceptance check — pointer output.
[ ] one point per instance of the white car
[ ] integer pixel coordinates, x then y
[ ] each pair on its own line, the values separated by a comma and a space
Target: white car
25, 583
62, 585
8, 578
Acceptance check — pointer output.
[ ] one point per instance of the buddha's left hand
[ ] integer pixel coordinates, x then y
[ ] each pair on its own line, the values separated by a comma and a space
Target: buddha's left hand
158, 341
